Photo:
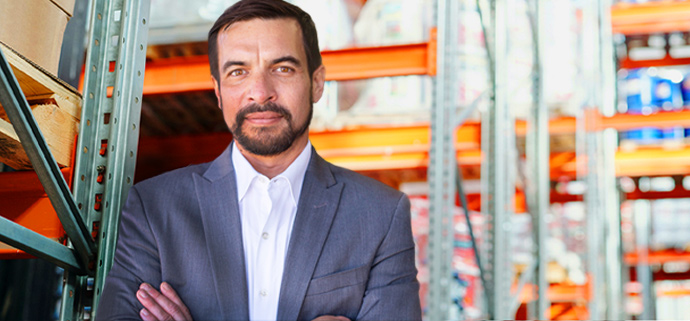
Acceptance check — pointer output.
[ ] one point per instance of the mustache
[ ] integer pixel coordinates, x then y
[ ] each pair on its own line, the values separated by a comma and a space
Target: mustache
256, 108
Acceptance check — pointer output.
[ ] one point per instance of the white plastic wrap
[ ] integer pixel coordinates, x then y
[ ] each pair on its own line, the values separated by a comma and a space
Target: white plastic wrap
390, 22
332, 20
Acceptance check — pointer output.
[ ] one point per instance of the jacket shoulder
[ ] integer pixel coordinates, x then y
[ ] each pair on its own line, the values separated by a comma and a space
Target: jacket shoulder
172, 180
364, 186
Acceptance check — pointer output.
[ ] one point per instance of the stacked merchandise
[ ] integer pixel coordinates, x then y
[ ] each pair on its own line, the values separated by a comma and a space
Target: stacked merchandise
181, 21
566, 244
31, 36
672, 300
465, 290
334, 20
175, 13
655, 89
192, 19
560, 58
389, 99
659, 226
473, 63
407, 99
651, 90
35, 29
670, 224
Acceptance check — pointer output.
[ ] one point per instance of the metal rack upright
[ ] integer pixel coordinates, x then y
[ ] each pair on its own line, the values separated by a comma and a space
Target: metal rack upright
105, 159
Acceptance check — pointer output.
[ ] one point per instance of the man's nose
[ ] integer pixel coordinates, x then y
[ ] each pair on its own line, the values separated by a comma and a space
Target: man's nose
262, 89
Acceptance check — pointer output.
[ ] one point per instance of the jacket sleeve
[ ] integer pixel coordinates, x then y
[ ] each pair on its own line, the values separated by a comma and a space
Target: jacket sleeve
393, 290
136, 260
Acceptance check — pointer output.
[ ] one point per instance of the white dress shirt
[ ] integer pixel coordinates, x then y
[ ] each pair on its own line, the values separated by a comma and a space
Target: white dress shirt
267, 211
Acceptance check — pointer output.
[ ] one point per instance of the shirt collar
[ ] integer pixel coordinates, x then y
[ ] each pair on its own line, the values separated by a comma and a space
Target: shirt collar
245, 172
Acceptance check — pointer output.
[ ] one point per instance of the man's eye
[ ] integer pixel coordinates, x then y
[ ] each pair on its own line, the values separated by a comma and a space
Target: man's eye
284, 69
237, 72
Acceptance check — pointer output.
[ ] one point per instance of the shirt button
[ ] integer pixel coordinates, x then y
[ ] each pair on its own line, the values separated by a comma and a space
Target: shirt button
264, 236
263, 293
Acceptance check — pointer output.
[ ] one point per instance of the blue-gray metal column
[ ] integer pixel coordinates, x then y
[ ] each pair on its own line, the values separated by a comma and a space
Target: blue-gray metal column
108, 138
442, 166
537, 157
613, 249
642, 213
601, 198
498, 147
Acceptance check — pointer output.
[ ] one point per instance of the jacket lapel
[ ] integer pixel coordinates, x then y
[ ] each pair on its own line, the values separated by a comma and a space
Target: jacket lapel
316, 210
217, 194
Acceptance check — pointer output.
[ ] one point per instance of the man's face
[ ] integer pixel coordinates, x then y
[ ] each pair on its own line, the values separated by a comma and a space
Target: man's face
264, 88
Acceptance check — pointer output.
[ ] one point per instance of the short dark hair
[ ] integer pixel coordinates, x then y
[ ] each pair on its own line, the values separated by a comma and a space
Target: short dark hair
265, 9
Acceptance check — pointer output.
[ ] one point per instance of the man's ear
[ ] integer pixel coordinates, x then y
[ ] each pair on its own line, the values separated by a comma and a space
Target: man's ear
216, 89
317, 83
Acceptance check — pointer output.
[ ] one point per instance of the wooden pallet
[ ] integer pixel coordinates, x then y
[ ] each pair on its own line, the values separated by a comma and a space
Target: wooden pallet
55, 105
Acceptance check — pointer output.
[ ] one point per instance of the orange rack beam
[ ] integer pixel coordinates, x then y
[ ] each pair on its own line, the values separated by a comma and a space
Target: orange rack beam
23, 201
182, 74
657, 257
666, 61
644, 161
379, 148
416, 138
407, 147
673, 292
568, 125
661, 120
654, 161
652, 17
561, 292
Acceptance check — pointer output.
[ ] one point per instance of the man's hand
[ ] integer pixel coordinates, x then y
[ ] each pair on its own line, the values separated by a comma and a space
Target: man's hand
164, 305
331, 318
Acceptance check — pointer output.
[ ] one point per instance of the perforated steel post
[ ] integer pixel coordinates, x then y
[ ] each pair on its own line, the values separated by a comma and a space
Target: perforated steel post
442, 166
537, 157
498, 173
108, 137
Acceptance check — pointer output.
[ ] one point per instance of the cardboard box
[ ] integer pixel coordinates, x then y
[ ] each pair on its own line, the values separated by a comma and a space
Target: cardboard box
66, 5
55, 106
35, 29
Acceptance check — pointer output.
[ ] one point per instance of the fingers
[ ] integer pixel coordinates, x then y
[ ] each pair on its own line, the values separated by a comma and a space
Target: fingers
170, 293
158, 306
146, 315
152, 308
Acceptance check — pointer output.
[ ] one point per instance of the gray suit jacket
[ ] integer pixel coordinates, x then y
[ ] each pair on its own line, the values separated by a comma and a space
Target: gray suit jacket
351, 251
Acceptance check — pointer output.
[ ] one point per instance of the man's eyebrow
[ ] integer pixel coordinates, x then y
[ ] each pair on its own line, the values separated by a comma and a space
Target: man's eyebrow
231, 63
290, 59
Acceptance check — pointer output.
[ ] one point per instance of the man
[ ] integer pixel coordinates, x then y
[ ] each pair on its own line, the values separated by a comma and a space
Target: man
268, 230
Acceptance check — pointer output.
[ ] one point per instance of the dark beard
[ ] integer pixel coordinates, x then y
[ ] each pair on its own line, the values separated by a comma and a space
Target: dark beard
269, 142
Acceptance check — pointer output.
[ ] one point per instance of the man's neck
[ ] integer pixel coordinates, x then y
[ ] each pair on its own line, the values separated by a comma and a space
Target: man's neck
272, 166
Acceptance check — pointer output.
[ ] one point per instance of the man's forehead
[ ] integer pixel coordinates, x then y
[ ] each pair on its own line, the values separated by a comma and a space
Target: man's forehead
283, 22
248, 34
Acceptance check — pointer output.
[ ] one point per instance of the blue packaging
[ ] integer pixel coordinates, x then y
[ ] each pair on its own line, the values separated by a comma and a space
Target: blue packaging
685, 90
666, 94
646, 135
637, 88
673, 133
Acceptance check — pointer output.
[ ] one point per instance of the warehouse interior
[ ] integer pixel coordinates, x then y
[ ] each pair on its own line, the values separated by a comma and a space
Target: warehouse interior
543, 144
